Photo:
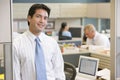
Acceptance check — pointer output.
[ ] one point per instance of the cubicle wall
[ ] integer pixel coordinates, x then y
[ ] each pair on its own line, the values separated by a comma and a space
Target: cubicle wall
104, 61
73, 58
6, 39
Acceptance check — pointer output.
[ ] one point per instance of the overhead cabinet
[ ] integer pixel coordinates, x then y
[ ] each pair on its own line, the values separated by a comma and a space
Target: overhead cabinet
55, 10
98, 10
67, 10
103, 10
20, 10
73, 10
91, 10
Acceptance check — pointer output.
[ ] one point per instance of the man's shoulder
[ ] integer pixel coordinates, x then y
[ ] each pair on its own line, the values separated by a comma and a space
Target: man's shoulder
103, 36
48, 38
100, 35
19, 39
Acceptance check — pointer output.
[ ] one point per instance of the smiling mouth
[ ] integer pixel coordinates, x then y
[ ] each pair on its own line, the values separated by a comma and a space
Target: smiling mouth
40, 24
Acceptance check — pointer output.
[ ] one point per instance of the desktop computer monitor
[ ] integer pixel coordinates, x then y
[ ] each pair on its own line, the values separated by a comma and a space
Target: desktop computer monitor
87, 67
76, 32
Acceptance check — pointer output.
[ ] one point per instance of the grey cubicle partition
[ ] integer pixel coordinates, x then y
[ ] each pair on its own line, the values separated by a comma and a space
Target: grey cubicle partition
73, 58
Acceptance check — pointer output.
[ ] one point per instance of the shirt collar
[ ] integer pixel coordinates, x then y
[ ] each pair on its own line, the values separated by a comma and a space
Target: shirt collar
32, 36
41, 37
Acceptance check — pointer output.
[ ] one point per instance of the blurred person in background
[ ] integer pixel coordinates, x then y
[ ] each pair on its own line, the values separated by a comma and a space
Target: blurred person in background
64, 33
95, 38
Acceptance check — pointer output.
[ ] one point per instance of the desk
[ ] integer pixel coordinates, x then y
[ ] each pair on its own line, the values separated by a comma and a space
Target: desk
73, 57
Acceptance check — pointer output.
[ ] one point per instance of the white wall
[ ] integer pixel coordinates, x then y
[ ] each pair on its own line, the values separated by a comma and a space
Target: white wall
72, 22
118, 38
1, 51
5, 29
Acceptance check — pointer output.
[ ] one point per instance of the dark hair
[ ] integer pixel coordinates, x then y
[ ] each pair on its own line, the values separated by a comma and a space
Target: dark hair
34, 7
63, 25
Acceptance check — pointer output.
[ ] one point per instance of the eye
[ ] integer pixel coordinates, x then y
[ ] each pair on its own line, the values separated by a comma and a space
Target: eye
46, 18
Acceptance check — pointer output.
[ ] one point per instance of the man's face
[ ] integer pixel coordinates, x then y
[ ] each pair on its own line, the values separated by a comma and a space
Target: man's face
89, 34
38, 21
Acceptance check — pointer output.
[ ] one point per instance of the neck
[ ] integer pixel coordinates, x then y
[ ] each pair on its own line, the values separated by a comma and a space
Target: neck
36, 33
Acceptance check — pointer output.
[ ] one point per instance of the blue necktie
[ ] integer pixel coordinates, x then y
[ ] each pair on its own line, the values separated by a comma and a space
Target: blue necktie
40, 62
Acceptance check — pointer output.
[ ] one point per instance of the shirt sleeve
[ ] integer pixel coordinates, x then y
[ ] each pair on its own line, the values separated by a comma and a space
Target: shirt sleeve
16, 65
58, 64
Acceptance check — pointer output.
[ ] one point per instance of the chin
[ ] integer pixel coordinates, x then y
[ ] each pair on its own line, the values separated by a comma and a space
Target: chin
41, 29
90, 38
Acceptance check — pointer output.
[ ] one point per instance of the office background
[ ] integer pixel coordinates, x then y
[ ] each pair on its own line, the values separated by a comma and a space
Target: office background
114, 31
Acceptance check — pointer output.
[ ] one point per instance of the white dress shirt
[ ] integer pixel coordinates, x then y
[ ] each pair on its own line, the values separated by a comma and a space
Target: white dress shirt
100, 40
24, 57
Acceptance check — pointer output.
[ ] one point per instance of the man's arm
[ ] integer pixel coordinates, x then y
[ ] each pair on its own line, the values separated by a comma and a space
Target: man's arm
58, 64
16, 65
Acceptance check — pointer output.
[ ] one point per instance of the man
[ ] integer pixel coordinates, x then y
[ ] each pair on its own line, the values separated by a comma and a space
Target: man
25, 64
95, 38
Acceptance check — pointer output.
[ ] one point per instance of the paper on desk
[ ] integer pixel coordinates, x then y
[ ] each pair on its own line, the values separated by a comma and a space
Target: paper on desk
84, 46
105, 74
118, 78
96, 48
93, 47
71, 50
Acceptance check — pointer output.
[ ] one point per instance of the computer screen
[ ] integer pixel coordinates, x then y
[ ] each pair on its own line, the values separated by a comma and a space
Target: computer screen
75, 31
88, 65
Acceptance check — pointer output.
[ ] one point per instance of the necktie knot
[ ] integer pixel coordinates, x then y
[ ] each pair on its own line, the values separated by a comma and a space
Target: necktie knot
37, 39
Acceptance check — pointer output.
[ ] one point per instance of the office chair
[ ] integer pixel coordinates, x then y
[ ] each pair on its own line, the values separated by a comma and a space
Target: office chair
70, 71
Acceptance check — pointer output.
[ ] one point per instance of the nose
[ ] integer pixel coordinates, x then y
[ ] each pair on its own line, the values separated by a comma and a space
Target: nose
42, 19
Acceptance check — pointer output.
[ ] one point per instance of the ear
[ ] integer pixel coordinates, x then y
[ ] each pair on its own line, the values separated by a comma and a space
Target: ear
29, 18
